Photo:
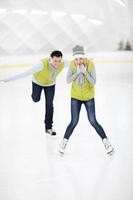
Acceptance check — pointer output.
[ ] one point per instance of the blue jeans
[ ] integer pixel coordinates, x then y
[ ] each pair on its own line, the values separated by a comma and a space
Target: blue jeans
49, 92
75, 111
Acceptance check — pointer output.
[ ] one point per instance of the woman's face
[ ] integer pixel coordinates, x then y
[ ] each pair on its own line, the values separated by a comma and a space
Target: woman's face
79, 61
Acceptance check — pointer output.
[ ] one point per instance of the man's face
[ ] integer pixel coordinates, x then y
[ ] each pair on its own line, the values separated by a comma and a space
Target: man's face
79, 61
56, 61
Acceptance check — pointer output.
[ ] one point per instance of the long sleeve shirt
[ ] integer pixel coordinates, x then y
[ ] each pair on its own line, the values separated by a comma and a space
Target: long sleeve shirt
36, 68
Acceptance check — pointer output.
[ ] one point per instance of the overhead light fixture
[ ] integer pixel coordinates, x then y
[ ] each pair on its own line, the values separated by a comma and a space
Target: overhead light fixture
95, 22
77, 17
38, 12
3, 10
19, 11
58, 14
121, 2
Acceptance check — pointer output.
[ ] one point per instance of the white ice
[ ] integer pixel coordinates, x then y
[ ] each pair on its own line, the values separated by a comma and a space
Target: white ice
30, 165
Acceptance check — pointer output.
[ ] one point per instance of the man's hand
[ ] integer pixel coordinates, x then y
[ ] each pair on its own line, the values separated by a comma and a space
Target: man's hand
2, 81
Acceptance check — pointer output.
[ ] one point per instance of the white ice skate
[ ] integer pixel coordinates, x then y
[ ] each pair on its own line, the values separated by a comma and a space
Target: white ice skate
108, 146
63, 146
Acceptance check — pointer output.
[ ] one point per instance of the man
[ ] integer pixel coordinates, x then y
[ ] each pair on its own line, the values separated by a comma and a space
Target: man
44, 78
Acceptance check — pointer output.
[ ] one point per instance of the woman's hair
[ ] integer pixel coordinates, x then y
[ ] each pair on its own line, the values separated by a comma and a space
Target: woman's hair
56, 53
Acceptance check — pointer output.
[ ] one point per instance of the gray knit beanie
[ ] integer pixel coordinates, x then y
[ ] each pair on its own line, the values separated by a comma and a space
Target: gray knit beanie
78, 51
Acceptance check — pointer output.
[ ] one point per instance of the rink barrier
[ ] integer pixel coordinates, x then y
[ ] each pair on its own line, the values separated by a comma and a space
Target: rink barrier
15, 65
95, 61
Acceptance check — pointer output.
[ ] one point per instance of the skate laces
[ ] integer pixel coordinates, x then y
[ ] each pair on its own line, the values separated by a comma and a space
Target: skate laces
106, 143
63, 144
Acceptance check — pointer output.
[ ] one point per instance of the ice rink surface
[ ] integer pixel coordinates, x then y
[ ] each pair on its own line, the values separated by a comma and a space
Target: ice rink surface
31, 167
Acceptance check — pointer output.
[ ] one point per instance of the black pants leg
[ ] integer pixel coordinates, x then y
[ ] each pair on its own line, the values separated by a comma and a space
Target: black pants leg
49, 92
49, 97
36, 92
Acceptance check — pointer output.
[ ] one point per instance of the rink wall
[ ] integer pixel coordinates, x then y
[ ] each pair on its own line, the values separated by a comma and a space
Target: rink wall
110, 66
99, 57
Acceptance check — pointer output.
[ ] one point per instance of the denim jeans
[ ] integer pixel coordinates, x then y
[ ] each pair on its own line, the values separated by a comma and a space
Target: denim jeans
49, 92
75, 111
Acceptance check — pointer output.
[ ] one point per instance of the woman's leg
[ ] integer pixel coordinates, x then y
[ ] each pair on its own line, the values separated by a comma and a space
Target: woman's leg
90, 107
75, 111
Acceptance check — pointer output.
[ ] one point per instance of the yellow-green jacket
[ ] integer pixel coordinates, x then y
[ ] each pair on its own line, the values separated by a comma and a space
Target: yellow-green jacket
86, 91
43, 77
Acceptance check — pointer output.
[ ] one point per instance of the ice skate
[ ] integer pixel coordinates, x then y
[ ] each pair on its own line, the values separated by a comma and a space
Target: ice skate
108, 146
63, 146
50, 132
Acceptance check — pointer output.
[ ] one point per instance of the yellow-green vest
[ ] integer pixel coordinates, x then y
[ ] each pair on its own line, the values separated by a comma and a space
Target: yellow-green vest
43, 76
86, 91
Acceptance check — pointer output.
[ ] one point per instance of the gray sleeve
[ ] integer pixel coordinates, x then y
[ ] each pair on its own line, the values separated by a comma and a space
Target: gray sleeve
37, 67
71, 76
92, 76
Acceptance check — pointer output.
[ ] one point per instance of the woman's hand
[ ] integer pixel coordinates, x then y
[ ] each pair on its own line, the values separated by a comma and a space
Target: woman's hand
83, 69
78, 69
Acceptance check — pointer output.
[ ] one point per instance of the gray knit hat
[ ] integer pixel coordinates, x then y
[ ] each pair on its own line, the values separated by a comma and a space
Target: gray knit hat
78, 51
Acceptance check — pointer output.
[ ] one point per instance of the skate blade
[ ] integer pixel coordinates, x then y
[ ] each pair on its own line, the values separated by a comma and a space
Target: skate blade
111, 152
61, 153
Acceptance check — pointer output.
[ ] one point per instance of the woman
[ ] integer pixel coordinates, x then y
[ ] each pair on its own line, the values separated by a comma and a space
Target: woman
83, 77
